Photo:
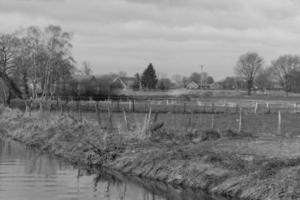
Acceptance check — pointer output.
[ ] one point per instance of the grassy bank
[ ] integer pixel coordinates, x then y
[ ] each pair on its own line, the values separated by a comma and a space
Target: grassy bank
243, 165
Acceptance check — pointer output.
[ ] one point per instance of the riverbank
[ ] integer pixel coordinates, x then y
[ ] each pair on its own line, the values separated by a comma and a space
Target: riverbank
234, 165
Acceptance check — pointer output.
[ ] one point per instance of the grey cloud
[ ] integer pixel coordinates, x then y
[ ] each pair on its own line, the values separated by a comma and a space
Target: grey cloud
167, 31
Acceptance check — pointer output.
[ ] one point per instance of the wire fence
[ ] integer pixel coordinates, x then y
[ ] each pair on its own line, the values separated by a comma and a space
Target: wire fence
172, 105
248, 116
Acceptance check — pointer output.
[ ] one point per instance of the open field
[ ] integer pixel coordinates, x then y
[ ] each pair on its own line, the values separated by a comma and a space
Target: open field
258, 117
206, 93
257, 124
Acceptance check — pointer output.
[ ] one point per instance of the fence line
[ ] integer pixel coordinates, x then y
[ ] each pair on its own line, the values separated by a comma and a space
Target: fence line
166, 106
240, 117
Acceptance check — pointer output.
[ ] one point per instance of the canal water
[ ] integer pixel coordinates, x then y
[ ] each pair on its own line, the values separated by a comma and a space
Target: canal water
28, 175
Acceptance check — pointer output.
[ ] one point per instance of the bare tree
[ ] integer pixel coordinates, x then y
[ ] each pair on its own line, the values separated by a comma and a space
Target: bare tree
34, 41
8, 51
177, 78
86, 68
57, 50
264, 79
37, 58
283, 68
248, 67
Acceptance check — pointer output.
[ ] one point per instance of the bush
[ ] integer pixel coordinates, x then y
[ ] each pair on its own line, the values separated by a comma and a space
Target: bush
210, 135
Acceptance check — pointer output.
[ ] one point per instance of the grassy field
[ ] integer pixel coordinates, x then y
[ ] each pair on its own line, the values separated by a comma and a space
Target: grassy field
258, 117
257, 124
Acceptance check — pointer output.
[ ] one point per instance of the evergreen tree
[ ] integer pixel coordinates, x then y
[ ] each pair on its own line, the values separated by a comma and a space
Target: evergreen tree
149, 78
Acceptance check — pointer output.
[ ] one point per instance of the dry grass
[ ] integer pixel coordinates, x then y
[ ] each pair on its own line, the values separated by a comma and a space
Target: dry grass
256, 124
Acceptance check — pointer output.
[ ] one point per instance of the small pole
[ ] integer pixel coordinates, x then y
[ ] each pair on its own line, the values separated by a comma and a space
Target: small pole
80, 114
184, 108
255, 107
241, 121
110, 119
279, 123
125, 119
98, 112
190, 119
268, 107
133, 105
61, 107
213, 121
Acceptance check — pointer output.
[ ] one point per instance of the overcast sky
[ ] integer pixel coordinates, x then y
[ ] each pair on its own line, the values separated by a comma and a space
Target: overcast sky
177, 36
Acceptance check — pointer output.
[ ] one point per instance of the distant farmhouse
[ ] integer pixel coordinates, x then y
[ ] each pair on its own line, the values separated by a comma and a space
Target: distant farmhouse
124, 83
192, 86
195, 86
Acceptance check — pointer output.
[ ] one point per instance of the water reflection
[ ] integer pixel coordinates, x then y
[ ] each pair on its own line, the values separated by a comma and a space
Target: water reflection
28, 175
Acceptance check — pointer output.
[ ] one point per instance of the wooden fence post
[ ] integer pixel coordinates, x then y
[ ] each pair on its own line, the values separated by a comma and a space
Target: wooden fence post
241, 121
110, 120
279, 123
79, 111
190, 121
213, 121
98, 112
133, 109
125, 119
255, 107
268, 108
61, 107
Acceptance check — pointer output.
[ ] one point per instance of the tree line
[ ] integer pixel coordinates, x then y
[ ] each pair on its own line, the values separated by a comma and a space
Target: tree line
285, 71
33, 57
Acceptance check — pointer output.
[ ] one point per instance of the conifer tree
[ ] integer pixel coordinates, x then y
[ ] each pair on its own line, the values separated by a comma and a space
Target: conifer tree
149, 79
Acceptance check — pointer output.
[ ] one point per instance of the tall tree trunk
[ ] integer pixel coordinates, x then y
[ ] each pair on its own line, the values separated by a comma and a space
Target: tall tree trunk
3, 92
8, 97
25, 83
34, 92
11, 85
249, 87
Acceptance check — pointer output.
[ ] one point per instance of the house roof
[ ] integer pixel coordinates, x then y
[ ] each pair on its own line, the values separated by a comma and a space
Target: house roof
192, 84
126, 81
